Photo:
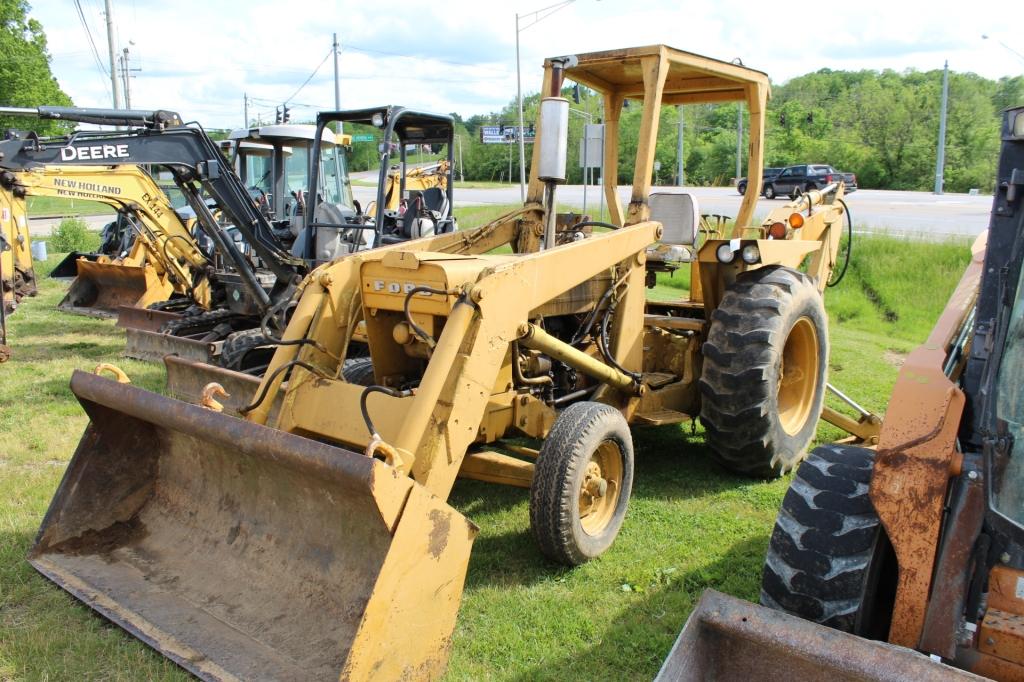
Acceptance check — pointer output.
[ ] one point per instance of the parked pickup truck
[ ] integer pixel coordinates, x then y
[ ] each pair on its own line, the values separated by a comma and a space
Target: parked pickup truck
796, 179
768, 175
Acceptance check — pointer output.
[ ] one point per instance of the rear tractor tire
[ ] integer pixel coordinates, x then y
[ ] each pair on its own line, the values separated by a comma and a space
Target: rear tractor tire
581, 483
763, 381
829, 560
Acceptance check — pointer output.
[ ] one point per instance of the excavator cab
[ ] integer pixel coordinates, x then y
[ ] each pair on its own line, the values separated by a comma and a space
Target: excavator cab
274, 161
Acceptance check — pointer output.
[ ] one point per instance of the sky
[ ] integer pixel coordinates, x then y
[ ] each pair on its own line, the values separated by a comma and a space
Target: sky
202, 58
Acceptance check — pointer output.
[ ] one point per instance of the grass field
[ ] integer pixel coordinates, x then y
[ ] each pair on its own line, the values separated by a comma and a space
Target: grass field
690, 525
57, 207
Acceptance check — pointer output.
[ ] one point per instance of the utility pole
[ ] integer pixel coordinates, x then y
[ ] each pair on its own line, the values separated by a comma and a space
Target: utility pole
462, 168
337, 85
114, 82
680, 175
126, 75
245, 108
522, 142
940, 157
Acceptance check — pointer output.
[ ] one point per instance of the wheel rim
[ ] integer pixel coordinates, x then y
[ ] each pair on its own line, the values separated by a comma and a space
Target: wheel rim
798, 376
601, 487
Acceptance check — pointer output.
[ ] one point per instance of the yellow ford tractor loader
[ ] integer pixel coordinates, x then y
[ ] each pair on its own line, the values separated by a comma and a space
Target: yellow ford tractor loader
311, 538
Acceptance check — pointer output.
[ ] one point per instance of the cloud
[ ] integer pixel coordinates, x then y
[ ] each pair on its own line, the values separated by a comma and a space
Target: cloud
201, 58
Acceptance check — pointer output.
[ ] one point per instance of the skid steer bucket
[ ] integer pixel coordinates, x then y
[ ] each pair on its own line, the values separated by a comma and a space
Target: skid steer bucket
726, 638
67, 268
244, 552
101, 288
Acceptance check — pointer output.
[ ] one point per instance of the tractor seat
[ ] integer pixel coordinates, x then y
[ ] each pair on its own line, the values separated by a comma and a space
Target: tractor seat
679, 216
435, 200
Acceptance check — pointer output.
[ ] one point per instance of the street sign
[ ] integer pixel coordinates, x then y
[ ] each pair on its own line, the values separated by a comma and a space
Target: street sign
592, 146
504, 134
362, 138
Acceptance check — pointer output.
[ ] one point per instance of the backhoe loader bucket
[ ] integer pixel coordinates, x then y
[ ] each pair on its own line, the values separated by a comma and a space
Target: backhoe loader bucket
726, 638
101, 288
244, 552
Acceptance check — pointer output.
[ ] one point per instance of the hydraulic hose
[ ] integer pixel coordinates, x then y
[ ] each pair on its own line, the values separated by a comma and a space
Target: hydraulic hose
849, 246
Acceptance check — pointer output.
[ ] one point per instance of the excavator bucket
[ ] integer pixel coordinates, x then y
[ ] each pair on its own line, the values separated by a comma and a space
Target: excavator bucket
726, 638
102, 287
244, 552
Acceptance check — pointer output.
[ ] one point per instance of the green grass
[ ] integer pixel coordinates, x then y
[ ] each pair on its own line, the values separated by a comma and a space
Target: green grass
690, 526
57, 207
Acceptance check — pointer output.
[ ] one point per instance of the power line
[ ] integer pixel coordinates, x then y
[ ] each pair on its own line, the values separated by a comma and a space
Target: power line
324, 61
95, 53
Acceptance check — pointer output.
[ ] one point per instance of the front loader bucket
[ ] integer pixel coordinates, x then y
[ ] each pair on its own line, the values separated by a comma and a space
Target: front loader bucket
100, 288
244, 552
68, 267
187, 379
726, 638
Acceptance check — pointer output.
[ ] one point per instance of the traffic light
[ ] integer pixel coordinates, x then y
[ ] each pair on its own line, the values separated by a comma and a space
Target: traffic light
287, 114
277, 115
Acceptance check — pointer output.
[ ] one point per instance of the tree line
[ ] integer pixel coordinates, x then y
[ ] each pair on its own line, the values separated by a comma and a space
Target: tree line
883, 126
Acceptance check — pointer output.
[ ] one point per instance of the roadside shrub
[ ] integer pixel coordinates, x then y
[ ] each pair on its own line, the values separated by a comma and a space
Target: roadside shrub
73, 234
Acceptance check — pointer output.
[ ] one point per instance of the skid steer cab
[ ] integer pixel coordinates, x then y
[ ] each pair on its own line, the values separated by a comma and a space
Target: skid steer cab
495, 353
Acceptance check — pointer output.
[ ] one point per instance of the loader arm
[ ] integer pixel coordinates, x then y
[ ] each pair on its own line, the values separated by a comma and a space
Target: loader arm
433, 429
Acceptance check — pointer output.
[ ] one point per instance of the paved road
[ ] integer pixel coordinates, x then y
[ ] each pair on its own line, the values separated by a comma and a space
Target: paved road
43, 227
920, 214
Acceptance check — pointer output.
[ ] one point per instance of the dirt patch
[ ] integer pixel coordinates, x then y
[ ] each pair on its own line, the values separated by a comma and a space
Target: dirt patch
893, 358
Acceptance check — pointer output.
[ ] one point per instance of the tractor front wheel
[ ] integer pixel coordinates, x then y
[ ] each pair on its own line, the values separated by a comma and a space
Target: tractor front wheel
763, 381
581, 483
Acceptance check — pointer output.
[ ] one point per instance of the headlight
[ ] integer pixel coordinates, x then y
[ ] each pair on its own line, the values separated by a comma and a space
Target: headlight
750, 254
724, 253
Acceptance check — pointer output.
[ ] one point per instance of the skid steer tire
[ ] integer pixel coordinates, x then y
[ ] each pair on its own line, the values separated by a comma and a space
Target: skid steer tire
763, 380
587, 454
829, 560
358, 371
246, 350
